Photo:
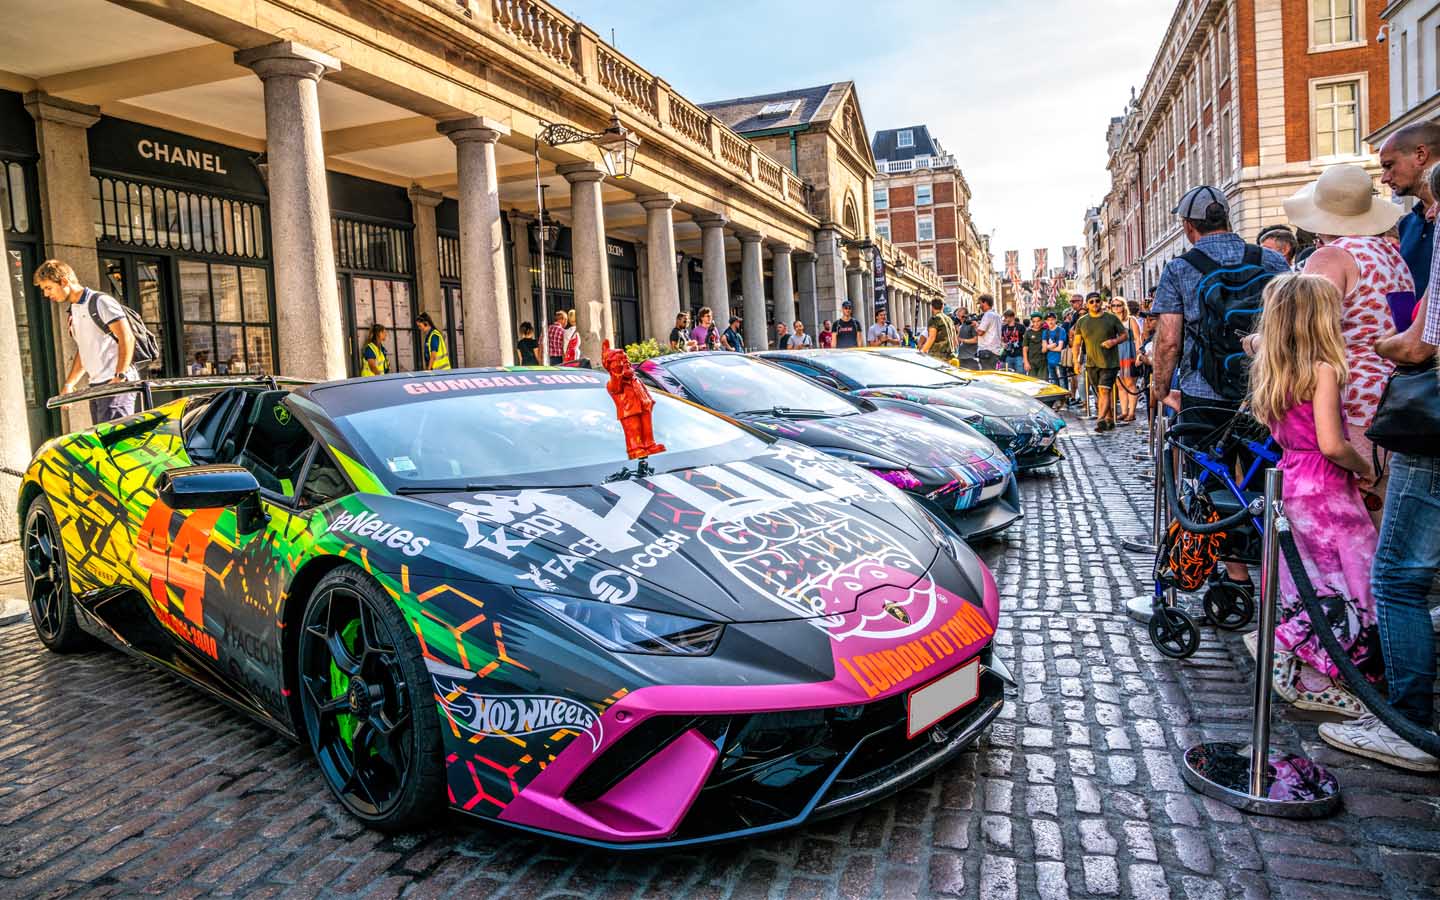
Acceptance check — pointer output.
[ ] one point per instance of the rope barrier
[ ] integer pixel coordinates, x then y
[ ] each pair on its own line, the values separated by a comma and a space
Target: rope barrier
1358, 684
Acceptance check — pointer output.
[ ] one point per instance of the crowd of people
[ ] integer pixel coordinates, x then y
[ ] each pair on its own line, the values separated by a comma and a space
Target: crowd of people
1342, 297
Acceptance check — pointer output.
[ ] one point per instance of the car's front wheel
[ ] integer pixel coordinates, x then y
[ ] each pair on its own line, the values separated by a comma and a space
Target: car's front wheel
368, 704
47, 582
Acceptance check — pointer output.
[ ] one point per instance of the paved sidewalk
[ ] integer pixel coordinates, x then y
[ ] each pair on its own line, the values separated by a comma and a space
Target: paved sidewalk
116, 779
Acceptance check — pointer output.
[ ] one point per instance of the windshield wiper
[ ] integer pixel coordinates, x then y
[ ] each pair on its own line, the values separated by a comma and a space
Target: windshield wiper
788, 412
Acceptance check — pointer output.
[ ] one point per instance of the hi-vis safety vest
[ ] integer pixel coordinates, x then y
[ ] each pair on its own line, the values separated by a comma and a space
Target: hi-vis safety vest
436, 354
380, 361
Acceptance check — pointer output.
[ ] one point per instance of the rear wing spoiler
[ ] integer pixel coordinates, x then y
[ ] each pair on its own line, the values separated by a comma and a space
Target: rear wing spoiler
148, 388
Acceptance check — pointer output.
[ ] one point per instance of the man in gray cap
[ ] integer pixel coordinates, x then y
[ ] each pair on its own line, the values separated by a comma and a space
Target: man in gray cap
1205, 217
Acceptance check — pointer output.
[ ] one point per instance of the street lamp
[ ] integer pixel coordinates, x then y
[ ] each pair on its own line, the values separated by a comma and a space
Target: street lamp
617, 151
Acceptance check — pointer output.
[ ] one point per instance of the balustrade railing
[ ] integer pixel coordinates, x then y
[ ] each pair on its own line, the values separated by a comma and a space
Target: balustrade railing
690, 120
735, 150
632, 84
539, 26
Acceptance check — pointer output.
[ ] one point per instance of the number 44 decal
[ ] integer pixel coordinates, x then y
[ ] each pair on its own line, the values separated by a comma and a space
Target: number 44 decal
178, 561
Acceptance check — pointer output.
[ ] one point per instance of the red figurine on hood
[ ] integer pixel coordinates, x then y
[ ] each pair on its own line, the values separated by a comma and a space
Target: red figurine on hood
632, 404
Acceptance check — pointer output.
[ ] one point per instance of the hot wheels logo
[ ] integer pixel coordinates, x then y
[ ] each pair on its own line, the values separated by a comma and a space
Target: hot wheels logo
519, 715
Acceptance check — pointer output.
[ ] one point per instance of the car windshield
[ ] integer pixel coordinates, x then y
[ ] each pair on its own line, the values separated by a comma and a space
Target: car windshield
542, 436
878, 370
926, 360
735, 384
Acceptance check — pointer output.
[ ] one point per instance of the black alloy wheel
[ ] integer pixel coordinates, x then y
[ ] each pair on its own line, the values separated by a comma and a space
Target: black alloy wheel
1174, 633
367, 705
1229, 606
47, 582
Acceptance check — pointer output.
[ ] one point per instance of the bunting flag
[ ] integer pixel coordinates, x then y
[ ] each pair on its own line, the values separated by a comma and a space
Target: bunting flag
1012, 266
1072, 261
1042, 262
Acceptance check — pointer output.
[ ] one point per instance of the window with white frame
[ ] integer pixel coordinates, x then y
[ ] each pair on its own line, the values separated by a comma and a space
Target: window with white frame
882, 198
1335, 23
925, 228
923, 195
883, 229
1227, 159
1336, 112
905, 138
927, 258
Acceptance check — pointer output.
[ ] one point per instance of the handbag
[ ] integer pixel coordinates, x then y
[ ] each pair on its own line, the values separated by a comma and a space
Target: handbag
1408, 418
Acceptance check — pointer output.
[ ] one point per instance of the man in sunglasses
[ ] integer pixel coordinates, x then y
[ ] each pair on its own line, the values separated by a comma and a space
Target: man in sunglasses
1099, 333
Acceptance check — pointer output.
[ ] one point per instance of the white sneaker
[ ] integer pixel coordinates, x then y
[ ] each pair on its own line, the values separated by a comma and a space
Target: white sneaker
1368, 736
1435, 620
1252, 644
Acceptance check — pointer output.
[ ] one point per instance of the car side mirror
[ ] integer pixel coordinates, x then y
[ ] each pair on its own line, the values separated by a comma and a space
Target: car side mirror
214, 487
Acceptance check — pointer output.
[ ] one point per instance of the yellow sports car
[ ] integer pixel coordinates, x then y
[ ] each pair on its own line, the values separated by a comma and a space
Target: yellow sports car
1051, 395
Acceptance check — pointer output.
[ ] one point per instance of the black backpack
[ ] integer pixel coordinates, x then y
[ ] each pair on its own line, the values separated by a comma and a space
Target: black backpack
147, 349
1230, 301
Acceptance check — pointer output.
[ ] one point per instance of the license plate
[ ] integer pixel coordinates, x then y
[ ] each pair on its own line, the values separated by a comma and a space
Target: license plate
929, 704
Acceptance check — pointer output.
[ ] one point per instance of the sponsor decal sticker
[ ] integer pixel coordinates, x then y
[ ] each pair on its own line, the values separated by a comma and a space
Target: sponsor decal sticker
883, 669
518, 715
369, 525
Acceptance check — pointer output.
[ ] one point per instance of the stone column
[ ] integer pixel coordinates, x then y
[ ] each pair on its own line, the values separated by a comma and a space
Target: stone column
15, 437
593, 315
717, 279
427, 254
867, 291
662, 299
682, 277
809, 311
854, 292
782, 284
829, 273
752, 288
309, 320
489, 333
64, 170
524, 283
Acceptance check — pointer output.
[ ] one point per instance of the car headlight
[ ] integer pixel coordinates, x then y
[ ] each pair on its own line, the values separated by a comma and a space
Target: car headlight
629, 629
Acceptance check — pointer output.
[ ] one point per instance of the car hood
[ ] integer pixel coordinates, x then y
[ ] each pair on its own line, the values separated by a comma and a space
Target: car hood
788, 534
898, 437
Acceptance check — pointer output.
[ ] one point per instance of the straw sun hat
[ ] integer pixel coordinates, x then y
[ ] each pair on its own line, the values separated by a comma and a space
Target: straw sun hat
1342, 201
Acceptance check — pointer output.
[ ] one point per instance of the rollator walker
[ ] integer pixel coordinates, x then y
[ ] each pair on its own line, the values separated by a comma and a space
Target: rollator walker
1212, 517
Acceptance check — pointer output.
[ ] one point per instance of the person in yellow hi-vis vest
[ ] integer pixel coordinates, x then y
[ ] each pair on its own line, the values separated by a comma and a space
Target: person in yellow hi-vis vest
434, 354
373, 360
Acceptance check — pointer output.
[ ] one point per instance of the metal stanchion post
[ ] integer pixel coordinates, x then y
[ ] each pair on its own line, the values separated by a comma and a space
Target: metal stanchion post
1084, 393
1142, 543
1139, 608
1252, 779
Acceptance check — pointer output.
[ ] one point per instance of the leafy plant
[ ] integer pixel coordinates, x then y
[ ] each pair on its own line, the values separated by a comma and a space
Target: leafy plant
644, 350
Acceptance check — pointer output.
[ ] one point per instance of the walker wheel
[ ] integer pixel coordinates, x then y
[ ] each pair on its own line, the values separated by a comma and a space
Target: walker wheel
1229, 606
1174, 633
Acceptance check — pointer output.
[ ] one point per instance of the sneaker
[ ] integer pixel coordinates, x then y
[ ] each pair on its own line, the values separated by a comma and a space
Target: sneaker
1369, 737
1435, 620
1252, 644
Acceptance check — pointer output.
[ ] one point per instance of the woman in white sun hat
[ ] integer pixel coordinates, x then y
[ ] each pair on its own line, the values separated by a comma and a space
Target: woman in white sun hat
1342, 207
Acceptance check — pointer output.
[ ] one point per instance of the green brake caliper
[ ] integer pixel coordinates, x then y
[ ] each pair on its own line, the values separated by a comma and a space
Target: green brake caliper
340, 684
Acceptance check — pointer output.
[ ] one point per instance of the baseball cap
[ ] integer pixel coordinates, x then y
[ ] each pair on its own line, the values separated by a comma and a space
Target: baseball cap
847, 305
734, 319
1197, 202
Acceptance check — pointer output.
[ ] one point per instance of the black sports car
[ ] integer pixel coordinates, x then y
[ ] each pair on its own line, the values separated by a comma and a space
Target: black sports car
459, 592
956, 471
1024, 428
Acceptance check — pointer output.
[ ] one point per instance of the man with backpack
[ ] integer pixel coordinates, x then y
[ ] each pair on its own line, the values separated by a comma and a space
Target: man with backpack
1207, 301
111, 339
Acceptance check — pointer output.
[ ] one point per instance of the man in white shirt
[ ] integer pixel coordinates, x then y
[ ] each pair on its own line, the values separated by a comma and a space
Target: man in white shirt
882, 333
992, 344
105, 343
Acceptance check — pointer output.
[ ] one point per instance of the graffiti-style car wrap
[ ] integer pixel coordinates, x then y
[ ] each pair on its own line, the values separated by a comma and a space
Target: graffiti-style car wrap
953, 469
1052, 395
456, 589
1023, 428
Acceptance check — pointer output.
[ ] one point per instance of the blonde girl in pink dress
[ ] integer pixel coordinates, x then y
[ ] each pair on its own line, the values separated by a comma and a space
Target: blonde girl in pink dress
1342, 207
1297, 379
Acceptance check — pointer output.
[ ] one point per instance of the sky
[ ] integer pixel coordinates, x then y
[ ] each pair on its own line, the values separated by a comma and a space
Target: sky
1020, 91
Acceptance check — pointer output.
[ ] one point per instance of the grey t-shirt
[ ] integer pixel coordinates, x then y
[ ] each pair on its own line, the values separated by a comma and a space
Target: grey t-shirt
99, 351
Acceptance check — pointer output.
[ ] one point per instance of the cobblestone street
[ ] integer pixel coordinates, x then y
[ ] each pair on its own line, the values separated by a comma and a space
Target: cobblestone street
117, 780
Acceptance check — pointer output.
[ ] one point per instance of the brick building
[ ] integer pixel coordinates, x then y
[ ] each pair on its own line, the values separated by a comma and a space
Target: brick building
1256, 97
922, 204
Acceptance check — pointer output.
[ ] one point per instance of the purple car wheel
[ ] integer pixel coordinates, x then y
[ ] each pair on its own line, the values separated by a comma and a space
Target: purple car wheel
367, 704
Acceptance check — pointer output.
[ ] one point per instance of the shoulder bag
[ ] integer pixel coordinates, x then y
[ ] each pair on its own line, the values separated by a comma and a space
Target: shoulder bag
1408, 418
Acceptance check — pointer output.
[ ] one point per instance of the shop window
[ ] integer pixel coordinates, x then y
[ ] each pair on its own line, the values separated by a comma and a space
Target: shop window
225, 317
385, 301
128, 212
449, 258
14, 202
372, 247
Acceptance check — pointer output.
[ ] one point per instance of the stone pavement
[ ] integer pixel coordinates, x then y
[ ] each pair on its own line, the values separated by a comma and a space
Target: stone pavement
117, 780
